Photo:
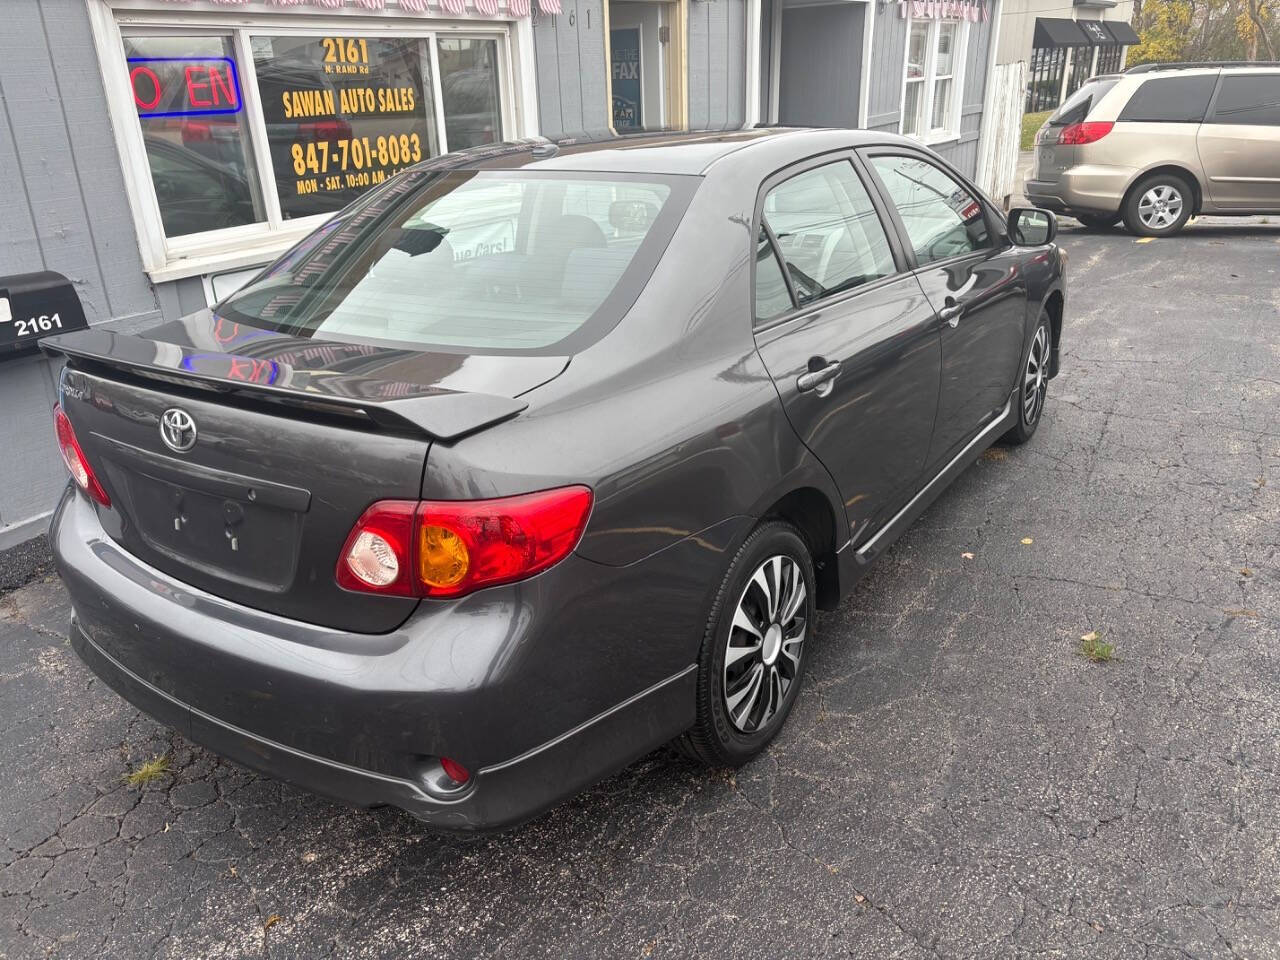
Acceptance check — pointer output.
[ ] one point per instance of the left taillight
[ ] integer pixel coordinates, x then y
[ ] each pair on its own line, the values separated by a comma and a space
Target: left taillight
448, 548
77, 464
1079, 134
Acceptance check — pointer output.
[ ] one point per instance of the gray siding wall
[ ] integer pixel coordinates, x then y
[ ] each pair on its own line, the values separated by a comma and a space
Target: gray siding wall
570, 67
821, 65
569, 60
62, 208
717, 64
888, 50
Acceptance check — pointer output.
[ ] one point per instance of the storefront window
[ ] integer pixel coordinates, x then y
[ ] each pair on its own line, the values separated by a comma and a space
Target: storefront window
917, 60
469, 88
342, 115
189, 100
261, 124
935, 61
943, 71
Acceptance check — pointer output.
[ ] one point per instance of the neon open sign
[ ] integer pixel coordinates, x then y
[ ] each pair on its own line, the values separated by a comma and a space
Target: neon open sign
184, 86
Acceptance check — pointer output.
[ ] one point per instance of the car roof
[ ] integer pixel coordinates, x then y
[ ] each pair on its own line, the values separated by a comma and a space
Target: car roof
661, 153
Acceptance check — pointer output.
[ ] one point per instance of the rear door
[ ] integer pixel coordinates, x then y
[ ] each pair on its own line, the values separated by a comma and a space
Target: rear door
845, 331
973, 283
1239, 142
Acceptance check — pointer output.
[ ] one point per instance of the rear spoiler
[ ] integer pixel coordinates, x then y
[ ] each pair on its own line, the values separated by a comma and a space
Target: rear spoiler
432, 411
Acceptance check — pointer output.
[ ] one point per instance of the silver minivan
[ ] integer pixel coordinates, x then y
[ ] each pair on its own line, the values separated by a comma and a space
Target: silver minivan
1161, 143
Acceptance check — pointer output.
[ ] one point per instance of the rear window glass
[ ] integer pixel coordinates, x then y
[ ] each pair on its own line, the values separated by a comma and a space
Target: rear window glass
1251, 99
1077, 106
1170, 100
474, 261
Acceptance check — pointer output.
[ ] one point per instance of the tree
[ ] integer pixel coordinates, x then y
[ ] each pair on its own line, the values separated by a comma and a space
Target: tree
1190, 30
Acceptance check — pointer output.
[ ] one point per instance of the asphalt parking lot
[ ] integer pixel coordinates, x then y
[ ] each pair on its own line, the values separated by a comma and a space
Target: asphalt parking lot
957, 779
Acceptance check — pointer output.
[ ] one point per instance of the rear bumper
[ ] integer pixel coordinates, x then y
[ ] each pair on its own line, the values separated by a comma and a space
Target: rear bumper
1085, 188
308, 705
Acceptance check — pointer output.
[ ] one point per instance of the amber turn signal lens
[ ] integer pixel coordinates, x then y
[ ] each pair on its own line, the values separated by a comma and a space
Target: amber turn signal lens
442, 556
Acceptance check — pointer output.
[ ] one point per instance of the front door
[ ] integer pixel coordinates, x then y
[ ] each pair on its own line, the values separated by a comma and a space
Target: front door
1239, 142
847, 335
972, 283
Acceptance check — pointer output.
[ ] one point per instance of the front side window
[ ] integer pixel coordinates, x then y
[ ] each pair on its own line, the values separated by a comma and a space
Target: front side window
941, 217
935, 55
828, 232
188, 94
1170, 100
1250, 99
471, 260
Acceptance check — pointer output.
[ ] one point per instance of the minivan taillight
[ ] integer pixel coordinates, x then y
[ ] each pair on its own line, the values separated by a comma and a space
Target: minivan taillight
447, 548
1078, 134
74, 458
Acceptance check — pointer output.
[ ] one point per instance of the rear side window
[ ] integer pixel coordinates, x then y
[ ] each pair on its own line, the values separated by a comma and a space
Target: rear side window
828, 232
773, 299
485, 261
1251, 99
1077, 106
1170, 100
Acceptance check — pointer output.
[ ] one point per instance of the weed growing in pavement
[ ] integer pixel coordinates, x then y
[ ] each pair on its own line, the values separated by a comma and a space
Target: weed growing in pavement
157, 768
1097, 650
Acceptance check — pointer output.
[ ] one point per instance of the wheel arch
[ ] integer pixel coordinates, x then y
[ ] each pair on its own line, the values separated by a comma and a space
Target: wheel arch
1054, 304
1176, 169
810, 510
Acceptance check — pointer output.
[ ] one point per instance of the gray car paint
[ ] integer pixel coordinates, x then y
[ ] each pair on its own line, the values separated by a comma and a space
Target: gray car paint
673, 419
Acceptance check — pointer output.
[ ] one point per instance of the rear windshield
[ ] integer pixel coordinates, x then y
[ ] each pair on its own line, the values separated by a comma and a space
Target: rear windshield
1077, 106
473, 261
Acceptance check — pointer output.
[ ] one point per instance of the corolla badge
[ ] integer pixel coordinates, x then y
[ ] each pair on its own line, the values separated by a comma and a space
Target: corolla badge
177, 430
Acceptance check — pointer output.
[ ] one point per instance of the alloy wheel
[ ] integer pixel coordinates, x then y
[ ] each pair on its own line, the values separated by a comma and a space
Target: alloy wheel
1035, 383
1160, 206
762, 659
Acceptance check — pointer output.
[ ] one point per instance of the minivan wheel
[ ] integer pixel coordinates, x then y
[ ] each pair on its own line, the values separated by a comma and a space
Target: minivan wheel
1033, 384
753, 650
1159, 206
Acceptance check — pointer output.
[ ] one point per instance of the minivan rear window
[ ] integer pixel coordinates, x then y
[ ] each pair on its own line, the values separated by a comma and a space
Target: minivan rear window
1170, 100
488, 261
1077, 106
1253, 98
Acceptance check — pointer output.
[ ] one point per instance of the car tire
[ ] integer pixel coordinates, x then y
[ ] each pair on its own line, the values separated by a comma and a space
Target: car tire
1033, 383
1098, 221
1159, 206
752, 602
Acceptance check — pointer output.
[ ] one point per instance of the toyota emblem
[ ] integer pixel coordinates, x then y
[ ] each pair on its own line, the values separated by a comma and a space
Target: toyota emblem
178, 430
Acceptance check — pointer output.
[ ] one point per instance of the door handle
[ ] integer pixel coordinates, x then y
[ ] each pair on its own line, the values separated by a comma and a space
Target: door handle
815, 379
950, 312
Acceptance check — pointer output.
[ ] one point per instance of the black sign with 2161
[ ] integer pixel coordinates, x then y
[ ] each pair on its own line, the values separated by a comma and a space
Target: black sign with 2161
36, 305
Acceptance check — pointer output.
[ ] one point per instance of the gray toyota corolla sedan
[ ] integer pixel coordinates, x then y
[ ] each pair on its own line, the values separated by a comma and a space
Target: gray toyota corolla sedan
538, 457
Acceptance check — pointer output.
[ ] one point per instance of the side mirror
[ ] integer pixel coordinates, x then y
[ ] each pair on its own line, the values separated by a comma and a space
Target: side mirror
1031, 226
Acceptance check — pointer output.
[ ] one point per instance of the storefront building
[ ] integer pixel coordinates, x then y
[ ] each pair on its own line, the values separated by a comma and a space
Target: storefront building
159, 152
1064, 44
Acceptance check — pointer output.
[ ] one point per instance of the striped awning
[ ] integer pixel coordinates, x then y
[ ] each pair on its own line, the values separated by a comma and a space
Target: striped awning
513, 9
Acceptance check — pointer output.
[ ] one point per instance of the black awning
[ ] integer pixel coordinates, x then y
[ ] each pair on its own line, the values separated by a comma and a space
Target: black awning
1124, 34
1053, 32
1096, 33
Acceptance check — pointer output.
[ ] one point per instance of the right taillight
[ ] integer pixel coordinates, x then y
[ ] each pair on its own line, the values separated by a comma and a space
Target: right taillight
79, 468
447, 548
1078, 134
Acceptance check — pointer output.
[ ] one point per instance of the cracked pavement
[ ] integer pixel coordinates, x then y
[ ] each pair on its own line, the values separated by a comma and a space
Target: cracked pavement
956, 781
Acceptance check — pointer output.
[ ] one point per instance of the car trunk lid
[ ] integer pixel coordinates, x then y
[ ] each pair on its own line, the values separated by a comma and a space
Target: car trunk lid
278, 445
